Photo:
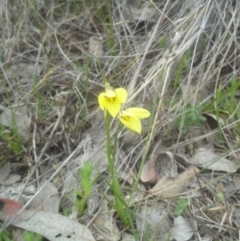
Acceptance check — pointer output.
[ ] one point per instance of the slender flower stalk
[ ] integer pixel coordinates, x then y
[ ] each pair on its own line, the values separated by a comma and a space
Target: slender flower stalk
116, 188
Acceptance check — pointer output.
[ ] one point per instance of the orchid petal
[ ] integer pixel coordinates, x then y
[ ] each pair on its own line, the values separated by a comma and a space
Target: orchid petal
101, 100
113, 107
141, 113
131, 122
122, 94
112, 99
110, 93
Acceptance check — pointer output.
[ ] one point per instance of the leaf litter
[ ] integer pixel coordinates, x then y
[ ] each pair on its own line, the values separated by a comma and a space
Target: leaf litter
154, 40
207, 159
150, 219
103, 226
47, 199
53, 226
182, 230
18, 117
159, 165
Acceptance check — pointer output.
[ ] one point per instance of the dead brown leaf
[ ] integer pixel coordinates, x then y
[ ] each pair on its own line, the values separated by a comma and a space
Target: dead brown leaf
171, 187
159, 165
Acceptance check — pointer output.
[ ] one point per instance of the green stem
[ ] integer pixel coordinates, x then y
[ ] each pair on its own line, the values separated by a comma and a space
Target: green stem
115, 141
109, 149
116, 188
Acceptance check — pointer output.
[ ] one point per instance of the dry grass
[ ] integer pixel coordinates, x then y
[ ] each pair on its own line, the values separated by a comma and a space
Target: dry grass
184, 59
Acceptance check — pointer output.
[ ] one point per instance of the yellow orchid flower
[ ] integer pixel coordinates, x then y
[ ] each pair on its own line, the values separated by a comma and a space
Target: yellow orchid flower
131, 118
112, 99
